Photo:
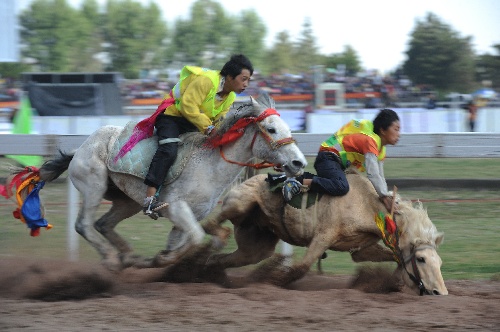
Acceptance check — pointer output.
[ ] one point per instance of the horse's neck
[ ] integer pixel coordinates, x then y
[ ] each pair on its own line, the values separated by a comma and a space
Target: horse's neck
231, 157
208, 175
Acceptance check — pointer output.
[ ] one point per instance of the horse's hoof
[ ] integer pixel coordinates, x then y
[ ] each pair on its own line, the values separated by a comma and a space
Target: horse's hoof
112, 265
129, 259
145, 263
218, 243
169, 257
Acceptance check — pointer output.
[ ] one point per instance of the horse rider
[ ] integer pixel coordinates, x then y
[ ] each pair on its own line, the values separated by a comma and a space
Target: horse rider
196, 103
360, 143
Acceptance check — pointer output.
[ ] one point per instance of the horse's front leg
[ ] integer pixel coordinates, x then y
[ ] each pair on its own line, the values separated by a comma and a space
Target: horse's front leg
187, 234
372, 253
288, 274
236, 206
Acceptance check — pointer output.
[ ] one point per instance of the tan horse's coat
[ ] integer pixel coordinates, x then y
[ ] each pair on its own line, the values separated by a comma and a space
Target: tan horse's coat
345, 223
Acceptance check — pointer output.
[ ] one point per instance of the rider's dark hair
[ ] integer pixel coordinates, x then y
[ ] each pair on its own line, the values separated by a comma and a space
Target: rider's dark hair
234, 66
384, 120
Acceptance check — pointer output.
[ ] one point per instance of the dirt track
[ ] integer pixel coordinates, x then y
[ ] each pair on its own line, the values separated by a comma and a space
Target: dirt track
47, 296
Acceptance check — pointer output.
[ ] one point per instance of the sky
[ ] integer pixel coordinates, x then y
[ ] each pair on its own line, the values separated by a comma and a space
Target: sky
379, 31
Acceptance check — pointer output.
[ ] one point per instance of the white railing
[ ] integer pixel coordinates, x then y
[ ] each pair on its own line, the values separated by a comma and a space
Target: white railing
420, 145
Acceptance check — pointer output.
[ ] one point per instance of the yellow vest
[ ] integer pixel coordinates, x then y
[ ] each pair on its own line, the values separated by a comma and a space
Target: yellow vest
208, 105
334, 143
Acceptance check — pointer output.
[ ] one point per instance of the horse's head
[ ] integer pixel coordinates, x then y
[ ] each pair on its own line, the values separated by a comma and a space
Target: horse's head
418, 242
269, 137
273, 140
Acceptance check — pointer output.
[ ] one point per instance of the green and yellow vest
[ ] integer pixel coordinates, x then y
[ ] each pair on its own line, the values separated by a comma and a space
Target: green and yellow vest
208, 105
334, 143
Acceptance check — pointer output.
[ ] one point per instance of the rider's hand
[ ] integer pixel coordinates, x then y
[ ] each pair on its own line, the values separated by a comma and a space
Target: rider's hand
209, 129
387, 200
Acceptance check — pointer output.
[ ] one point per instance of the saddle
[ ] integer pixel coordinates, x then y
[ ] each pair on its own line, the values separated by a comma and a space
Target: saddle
136, 162
303, 200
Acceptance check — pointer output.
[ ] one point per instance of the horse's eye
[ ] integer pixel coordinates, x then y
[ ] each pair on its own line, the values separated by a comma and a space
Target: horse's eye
421, 259
271, 130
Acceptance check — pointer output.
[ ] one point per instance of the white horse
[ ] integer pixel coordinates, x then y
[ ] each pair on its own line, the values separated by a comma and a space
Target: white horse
346, 223
202, 174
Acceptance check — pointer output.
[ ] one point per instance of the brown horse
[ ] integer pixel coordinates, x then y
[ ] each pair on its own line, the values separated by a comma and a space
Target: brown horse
347, 223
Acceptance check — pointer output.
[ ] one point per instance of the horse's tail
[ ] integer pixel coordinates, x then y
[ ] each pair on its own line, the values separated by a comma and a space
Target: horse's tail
52, 169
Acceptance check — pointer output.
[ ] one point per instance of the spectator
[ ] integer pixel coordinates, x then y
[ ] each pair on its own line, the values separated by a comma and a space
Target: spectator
431, 102
472, 109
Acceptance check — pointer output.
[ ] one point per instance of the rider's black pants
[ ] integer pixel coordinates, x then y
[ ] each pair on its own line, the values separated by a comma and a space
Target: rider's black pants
167, 126
330, 177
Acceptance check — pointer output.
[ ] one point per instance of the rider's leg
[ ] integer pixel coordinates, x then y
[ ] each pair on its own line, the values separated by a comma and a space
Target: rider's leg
331, 178
166, 129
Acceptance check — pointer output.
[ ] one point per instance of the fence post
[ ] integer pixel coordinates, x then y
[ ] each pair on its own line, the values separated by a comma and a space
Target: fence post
72, 236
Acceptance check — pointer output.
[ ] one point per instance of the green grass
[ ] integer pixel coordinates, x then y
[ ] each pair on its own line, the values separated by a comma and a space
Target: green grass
442, 168
469, 219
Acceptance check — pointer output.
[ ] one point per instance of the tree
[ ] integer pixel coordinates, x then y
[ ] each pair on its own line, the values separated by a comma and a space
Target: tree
249, 36
305, 49
438, 56
488, 68
279, 59
12, 69
348, 57
206, 37
83, 50
135, 36
49, 29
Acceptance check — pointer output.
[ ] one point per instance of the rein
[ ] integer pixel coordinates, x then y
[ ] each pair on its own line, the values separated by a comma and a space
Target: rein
272, 143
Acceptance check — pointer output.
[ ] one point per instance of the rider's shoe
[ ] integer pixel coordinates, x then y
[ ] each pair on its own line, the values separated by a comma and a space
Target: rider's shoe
291, 187
151, 207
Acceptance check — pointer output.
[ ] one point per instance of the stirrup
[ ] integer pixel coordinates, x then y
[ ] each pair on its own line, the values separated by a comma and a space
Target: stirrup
274, 179
152, 207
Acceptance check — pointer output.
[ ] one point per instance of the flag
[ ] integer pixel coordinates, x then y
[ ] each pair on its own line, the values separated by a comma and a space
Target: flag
22, 125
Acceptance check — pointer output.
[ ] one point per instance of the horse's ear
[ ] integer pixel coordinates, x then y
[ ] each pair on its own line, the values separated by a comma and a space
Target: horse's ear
439, 239
254, 102
265, 99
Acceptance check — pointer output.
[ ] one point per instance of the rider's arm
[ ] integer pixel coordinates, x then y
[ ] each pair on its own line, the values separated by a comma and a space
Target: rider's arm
192, 99
375, 173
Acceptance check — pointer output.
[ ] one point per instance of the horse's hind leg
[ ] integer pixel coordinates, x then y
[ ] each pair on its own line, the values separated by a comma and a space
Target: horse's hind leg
254, 245
122, 208
89, 176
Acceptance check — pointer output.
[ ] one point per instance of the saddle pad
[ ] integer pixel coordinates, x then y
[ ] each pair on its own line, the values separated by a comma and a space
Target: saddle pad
136, 162
297, 201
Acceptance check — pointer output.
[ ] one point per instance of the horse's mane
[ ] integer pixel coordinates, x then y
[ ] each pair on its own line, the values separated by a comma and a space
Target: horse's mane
412, 218
245, 110
414, 223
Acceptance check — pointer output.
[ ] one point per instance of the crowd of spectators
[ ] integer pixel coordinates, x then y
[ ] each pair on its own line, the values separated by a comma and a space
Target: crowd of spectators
377, 90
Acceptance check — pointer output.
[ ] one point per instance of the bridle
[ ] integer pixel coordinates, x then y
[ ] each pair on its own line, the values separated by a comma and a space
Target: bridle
392, 242
274, 144
415, 277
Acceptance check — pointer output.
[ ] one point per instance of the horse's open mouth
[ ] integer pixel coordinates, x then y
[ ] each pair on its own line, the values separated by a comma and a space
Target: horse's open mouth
290, 171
